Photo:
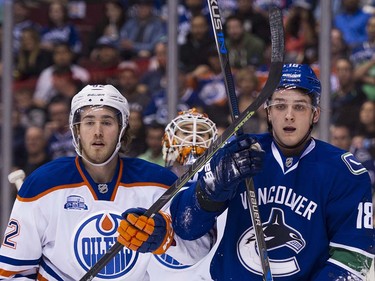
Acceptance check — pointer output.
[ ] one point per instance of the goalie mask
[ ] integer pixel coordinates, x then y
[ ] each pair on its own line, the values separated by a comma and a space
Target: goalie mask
96, 97
187, 137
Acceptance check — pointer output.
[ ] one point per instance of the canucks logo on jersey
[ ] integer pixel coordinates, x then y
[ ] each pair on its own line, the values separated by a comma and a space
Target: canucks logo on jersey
248, 253
94, 237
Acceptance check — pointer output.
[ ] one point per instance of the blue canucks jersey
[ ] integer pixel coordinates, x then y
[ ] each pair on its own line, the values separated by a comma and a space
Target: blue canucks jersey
309, 205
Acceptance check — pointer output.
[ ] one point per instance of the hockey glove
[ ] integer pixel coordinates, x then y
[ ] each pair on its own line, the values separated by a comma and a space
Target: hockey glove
143, 234
240, 159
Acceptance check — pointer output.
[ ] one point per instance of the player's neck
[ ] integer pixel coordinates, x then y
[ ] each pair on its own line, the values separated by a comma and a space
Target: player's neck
101, 174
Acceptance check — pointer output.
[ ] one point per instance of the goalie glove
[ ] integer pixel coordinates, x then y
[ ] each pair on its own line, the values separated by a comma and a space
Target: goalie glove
144, 234
241, 158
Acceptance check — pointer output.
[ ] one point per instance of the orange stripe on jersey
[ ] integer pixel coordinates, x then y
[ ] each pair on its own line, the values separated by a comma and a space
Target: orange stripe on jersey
41, 278
145, 184
7, 273
85, 179
48, 191
117, 182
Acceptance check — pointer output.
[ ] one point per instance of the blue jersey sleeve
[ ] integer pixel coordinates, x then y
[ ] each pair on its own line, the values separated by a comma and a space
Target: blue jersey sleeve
190, 221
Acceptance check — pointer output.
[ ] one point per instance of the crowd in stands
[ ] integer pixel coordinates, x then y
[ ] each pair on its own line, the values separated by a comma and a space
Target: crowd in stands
61, 46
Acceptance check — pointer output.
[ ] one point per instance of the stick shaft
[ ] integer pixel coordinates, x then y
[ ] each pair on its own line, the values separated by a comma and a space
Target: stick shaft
275, 19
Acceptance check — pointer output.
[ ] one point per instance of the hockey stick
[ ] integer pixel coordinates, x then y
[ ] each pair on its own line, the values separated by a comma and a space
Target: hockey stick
233, 128
275, 21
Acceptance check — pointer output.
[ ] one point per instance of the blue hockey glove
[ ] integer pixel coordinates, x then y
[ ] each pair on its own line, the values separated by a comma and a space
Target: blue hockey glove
240, 159
144, 234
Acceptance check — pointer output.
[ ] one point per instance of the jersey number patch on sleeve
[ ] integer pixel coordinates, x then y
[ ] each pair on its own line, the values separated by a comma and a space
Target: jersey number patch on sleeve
364, 218
14, 230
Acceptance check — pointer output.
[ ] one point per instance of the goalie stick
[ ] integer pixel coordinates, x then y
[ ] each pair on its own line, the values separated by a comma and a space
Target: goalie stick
274, 75
217, 26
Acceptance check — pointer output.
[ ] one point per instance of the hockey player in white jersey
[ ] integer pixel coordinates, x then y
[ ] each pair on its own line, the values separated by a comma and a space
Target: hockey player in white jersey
314, 199
186, 137
67, 213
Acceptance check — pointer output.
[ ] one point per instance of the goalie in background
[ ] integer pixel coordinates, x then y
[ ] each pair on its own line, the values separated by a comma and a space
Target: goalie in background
186, 138
314, 199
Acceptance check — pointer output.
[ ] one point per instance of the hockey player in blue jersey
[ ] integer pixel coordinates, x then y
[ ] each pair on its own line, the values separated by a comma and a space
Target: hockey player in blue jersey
67, 212
314, 199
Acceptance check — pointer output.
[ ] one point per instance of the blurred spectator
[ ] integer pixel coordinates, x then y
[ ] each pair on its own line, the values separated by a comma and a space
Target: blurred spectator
21, 20
129, 86
154, 79
363, 144
186, 10
244, 48
60, 29
154, 136
36, 149
157, 110
348, 98
57, 129
364, 59
351, 21
194, 51
141, 32
209, 93
339, 48
18, 142
255, 21
30, 59
64, 82
137, 132
110, 25
340, 136
300, 31
29, 113
62, 57
365, 128
247, 84
102, 64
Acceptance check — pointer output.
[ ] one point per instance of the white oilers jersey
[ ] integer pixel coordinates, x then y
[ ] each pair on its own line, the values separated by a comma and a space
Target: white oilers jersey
62, 222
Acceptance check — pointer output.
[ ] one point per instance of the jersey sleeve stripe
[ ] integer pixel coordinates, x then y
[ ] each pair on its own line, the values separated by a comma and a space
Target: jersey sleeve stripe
49, 271
347, 268
352, 249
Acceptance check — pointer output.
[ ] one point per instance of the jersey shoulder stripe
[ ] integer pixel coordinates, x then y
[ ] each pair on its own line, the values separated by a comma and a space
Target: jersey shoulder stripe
54, 175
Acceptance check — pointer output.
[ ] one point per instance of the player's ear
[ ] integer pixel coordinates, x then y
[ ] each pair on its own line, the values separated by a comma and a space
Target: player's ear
316, 115
268, 115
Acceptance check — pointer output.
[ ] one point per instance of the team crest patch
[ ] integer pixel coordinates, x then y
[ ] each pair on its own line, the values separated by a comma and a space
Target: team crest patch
287, 236
75, 202
94, 238
355, 167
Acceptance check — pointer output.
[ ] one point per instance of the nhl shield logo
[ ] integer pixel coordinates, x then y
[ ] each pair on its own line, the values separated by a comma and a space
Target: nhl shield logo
93, 239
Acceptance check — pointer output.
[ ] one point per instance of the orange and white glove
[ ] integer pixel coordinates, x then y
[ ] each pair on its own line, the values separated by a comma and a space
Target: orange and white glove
143, 234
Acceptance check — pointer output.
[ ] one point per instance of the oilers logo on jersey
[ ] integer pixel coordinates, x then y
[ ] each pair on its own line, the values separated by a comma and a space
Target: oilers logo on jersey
248, 253
94, 237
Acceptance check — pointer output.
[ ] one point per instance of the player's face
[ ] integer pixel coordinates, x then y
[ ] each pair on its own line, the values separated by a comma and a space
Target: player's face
291, 115
98, 133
